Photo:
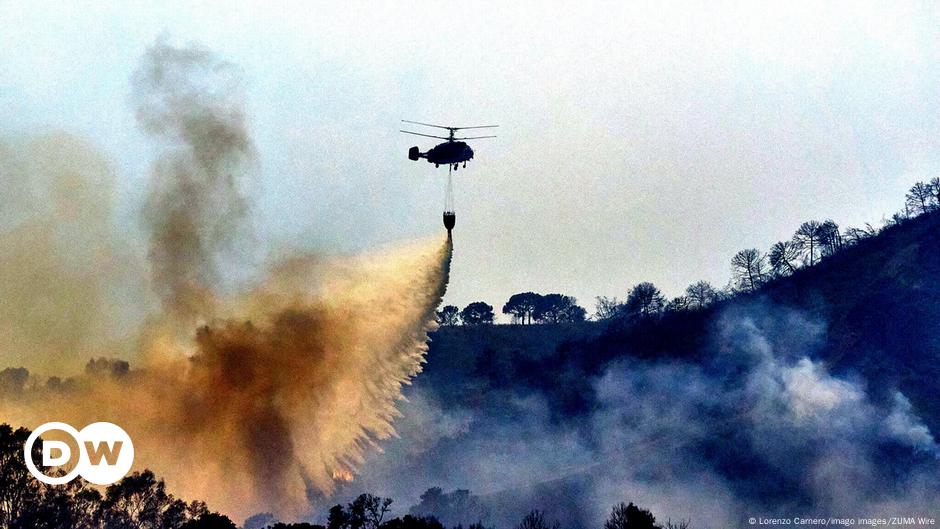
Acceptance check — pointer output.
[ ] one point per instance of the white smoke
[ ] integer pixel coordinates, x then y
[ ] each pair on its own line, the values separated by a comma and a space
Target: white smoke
759, 428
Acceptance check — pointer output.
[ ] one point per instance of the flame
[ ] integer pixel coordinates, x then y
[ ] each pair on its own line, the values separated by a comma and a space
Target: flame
342, 475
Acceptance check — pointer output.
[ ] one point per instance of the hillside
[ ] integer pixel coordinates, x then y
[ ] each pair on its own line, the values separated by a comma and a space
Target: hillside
879, 301
829, 372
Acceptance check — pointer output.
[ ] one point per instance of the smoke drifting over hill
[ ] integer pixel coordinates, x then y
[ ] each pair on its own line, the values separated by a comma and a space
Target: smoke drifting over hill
257, 400
759, 429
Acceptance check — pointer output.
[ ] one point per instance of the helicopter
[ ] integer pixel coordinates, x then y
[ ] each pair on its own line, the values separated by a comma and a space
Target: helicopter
453, 152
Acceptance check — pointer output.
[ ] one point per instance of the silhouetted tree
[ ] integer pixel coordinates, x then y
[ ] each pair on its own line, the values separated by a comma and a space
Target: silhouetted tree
807, 239
448, 315
748, 269
87, 504
477, 313
920, 199
210, 520
365, 512
935, 189
53, 509
536, 520
854, 235
338, 518
368, 511
783, 258
644, 301
630, 516
701, 294
896, 219
25, 503
575, 313
830, 239
138, 501
522, 306
678, 304
558, 308
301, 525
17, 486
607, 308
141, 501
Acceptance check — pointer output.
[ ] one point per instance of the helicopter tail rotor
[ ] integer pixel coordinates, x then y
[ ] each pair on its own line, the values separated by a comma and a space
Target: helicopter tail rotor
414, 154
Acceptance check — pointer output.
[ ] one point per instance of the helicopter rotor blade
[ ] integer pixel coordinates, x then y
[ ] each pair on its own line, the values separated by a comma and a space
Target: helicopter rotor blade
426, 124
475, 138
425, 135
449, 128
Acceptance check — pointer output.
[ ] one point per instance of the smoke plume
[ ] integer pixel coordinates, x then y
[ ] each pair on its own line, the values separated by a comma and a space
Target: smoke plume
191, 100
253, 400
58, 301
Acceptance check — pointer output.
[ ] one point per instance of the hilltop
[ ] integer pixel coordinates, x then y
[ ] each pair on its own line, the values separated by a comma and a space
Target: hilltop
878, 300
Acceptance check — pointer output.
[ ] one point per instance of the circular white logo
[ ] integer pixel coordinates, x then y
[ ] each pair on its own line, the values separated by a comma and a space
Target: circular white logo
105, 453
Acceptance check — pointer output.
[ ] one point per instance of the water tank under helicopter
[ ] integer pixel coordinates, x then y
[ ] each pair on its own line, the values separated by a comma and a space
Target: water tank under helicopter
450, 220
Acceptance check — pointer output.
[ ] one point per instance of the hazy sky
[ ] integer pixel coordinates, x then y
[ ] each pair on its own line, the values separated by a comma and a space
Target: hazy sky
646, 142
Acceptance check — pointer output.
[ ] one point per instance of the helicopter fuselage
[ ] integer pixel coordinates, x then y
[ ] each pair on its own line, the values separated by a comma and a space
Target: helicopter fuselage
450, 152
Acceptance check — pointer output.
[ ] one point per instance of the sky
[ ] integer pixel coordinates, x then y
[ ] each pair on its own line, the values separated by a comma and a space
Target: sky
637, 142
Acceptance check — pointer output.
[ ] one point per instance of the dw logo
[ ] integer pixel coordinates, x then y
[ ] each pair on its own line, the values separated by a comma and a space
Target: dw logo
101, 452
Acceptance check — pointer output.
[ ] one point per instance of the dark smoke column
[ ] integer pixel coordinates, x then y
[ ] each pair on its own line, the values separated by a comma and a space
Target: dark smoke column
191, 101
